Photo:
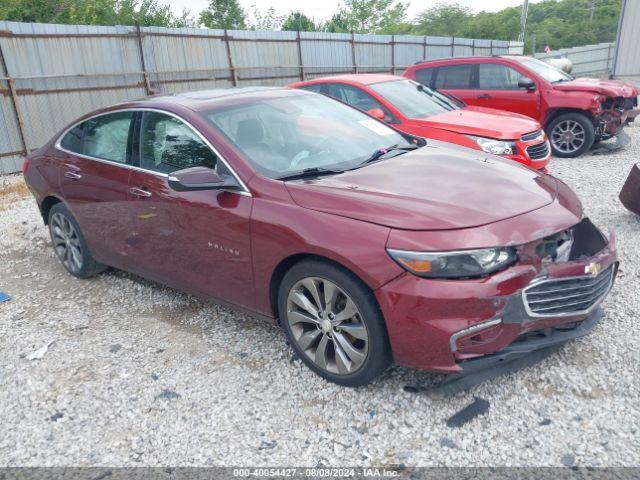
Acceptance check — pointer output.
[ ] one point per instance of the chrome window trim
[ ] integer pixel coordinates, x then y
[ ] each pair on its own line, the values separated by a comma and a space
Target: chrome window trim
245, 190
540, 281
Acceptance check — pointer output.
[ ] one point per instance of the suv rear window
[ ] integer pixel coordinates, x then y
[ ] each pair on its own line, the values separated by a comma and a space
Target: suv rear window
455, 76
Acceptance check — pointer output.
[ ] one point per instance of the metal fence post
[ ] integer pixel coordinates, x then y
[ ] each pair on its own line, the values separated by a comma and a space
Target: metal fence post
473, 47
14, 103
393, 54
300, 55
147, 84
491, 47
353, 52
424, 56
234, 77
453, 46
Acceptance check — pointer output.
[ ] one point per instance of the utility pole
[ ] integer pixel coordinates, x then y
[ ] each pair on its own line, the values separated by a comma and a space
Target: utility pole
523, 20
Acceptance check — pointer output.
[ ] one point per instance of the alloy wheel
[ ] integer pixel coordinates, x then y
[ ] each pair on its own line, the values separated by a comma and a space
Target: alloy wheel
327, 325
66, 242
568, 136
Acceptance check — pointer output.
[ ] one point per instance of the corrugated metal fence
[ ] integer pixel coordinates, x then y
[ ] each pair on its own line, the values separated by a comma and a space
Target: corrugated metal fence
588, 60
627, 62
51, 74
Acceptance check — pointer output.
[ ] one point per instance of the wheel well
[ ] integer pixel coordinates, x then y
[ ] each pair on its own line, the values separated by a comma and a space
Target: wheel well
561, 111
284, 266
46, 206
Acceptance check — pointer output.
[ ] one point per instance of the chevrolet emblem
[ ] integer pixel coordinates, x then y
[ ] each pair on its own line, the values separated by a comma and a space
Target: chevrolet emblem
593, 269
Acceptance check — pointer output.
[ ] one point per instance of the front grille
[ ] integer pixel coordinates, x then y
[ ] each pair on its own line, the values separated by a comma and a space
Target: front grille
538, 151
567, 296
531, 136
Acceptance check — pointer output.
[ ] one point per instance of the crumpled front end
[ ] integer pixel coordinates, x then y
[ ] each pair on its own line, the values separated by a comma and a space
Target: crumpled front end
552, 294
613, 114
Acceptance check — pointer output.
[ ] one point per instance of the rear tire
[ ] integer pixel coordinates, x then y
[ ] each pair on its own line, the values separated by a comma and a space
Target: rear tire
69, 243
334, 323
570, 135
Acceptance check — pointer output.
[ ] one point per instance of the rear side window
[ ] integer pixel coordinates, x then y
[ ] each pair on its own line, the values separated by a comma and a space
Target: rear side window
357, 98
493, 76
425, 76
104, 137
72, 141
455, 76
167, 145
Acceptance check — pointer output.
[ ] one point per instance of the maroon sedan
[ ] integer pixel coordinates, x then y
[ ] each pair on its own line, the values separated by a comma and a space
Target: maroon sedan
367, 244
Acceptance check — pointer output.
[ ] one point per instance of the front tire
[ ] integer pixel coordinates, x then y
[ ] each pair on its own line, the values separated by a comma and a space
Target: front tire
571, 135
69, 243
333, 323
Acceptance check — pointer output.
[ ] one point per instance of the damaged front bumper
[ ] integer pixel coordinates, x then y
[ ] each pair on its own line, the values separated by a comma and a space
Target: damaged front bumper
528, 350
610, 123
461, 327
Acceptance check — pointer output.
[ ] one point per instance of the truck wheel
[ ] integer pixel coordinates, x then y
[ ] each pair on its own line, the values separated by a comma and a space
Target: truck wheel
571, 135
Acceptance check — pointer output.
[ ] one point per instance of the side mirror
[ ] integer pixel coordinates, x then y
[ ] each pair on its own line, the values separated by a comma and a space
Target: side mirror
376, 113
526, 82
200, 178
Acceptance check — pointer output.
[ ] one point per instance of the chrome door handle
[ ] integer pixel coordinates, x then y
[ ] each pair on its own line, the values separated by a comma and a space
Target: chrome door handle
72, 175
140, 192
484, 96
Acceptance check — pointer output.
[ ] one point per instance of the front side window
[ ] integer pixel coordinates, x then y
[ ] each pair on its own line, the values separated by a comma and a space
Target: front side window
493, 76
280, 136
412, 99
455, 76
167, 145
104, 137
546, 71
357, 98
425, 76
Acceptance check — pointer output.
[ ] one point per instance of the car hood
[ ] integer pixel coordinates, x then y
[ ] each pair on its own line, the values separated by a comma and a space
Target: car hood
612, 88
437, 187
482, 122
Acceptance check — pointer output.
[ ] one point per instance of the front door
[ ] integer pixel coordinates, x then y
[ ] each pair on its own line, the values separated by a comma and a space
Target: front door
195, 241
498, 88
94, 181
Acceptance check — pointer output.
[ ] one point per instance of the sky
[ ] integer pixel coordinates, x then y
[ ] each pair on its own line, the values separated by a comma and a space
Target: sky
323, 9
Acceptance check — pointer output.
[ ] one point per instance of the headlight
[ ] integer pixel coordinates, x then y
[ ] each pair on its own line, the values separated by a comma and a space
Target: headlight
497, 147
455, 264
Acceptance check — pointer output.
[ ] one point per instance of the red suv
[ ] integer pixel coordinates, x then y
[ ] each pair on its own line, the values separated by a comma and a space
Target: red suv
574, 112
368, 245
419, 110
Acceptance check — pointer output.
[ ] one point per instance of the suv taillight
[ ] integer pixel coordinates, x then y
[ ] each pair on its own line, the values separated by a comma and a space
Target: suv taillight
25, 166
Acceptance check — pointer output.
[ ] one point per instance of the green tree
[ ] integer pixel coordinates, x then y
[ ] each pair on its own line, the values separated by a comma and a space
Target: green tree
298, 21
223, 14
558, 23
267, 20
337, 24
445, 20
95, 12
373, 16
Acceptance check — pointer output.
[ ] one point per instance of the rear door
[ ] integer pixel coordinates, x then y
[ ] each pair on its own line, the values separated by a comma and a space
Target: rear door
195, 241
94, 182
498, 88
457, 80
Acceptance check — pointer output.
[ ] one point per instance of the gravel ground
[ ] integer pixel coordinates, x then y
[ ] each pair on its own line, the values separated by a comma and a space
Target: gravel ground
139, 374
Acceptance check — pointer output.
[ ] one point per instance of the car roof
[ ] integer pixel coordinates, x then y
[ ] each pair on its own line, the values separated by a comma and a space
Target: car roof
210, 99
354, 78
476, 58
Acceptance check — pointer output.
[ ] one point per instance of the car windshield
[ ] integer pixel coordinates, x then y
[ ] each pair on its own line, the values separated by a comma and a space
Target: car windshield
546, 71
297, 133
414, 100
